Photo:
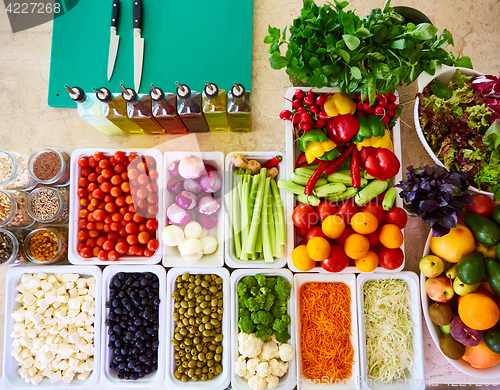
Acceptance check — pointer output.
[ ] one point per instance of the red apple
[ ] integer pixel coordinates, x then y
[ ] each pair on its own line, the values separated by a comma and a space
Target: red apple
439, 289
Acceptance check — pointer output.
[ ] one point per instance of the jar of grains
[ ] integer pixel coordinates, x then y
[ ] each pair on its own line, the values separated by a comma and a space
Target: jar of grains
14, 173
50, 167
49, 204
47, 245
13, 211
12, 246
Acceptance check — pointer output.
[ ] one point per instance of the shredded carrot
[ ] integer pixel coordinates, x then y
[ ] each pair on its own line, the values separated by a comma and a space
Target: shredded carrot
325, 317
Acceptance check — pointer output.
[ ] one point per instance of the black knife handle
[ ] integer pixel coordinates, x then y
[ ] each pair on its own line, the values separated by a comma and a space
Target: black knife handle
137, 12
114, 13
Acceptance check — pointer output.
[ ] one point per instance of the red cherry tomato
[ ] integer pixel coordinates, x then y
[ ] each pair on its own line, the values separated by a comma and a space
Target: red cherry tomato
120, 156
152, 224
152, 187
103, 164
142, 167
153, 174
148, 253
80, 246
325, 208
121, 247
132, 239
86, 252
82, 235
106, 187
119, 170
396, 216
376, 210
133, 174
115, 226
92, 177
116, 191
81, 192
99, 215
390, 258
143, 237
83, 213
373, 238
108, 245
83, 182
98, 194
102, 255
142, 193
113, 236
315, 231
110, 207
143, 179
152, 198
116, 180
91, 242
83, 162
337, 260
153, 244
113, 255
86, 171
152, 210
98, 156
346, 210
93, 163
304, 216
116, 217
138, 218
131, 227
120, 201
483, 205
302, 233
125, 186
94, 233
341, 240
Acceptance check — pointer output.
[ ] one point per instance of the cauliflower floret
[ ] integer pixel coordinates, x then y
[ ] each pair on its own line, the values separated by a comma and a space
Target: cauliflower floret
263, 369
248, 375
272, 381
249, 345
286, 352
278, 367
270, 351
240, 366
252, 365
273, 338
257, 383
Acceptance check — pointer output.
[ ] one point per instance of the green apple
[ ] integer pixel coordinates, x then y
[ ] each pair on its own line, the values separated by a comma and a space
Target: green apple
431, 266
445, 329
463, 289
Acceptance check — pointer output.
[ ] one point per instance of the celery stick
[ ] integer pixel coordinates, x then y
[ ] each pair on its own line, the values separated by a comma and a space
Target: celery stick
280, 222
255, 221
258, 243
266, 240
272, 227
235, 220
253, 193
244, 218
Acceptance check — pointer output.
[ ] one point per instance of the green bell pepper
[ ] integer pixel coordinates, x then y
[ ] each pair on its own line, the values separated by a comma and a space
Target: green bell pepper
315, 135
330, 155
368, 127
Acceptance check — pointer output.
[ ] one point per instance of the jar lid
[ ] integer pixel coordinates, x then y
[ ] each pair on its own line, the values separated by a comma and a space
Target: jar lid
156, 93
183, 91
211, 90
76, 93
103, 94
238, 90
128, 94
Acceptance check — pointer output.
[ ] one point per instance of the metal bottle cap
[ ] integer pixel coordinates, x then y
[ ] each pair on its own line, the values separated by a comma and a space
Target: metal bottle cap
183, 91
128, 94
238, 90
211, 90
103, 94
76, 93
156, 93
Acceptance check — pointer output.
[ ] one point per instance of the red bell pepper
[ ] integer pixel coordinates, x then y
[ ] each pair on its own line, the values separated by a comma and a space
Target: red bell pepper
364, 153
301, 160
339, 160
342, 128
383, 164
355, 174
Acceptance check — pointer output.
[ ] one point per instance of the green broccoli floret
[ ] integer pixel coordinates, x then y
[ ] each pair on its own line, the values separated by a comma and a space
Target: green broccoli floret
263, 332
249, 281
243, 311
283, 337
269, 302
246, 324
279, 308
262, 317
255, 303
270, 283
282, 288
281, 323
261, 280
254, 291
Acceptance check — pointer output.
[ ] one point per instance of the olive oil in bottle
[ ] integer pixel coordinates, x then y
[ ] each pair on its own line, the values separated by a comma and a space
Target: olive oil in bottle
214, 102
165, 111
139, 111
115, 110
189, 109
238, 108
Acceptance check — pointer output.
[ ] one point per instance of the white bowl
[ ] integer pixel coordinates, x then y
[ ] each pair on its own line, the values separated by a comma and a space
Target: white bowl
289, 380
220, 381
444, 74
109, 377
74, 207
10, 377
292, 152
417, 380
231, 259
171, 255
462, 365
349, 280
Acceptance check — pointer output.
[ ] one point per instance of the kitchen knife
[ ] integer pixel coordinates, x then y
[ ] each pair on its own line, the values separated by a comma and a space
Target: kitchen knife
115, 39
138, 44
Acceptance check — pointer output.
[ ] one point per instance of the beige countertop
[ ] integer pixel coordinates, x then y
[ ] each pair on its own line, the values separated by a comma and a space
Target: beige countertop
27, 123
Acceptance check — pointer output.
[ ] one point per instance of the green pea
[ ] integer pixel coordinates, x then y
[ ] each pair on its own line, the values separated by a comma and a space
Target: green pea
210, 363
204, 377
217, 357
205, 319
190, 372
204, 292
206, 311
219, 338
180, 369
182, 311
210, 375
210, 355
188, 356
192, 364
203, 305
185, 364
177, 374
188, 342
176, 316
208, 298
219, 317
197, 371
212, 347
199, 347
219, 295
220, 310
192, 303
195, 378
218, 280
177, 305
204, 284
175, 341
184, 378
183, 331
219, 349
220, 302
196, 340
177, 348
178, 336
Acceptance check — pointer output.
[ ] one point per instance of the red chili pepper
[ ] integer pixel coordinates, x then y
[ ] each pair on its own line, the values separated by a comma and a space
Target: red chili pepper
272, 162
355, 174
315, 176
339, 160
301, 160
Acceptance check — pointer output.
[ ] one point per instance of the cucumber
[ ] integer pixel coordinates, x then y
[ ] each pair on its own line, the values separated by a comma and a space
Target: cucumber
368, 176
329, 190
346, 179
288, 186
306, 172
308, 199
302, 180
371, 191
347, 194
389, 199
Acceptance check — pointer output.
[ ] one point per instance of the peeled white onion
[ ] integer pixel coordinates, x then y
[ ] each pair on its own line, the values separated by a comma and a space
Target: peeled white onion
172, 235
204, 233
193, 230
191, 249
210, 244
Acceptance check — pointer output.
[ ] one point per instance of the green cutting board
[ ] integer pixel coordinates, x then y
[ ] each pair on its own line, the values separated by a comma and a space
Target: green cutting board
190, 41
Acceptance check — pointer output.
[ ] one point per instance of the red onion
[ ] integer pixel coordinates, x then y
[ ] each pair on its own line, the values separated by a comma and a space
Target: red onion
173, 168
186, 199
192, 185
191, 167
208, 205
177, 215
211, 182
208, 222
174, 186
210, 168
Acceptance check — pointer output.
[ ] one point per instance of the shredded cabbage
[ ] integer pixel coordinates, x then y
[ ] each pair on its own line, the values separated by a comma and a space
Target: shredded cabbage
388, 327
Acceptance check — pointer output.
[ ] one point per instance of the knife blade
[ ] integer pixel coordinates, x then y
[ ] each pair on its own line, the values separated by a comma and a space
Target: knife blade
114, 39
138, 44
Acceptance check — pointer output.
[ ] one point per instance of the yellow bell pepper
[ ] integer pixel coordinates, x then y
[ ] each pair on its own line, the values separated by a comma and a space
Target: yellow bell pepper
378, 142
339, 104
318, 149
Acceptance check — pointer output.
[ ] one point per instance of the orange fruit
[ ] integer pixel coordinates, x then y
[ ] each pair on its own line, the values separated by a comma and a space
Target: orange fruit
356, 246
481, 356
451, 247
480, 290
478, 311
364, 222
390, 236
318, 248
301, 259
367, 263
333, 226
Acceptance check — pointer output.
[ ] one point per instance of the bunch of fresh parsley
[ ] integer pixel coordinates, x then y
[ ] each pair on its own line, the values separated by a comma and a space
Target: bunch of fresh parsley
374, 54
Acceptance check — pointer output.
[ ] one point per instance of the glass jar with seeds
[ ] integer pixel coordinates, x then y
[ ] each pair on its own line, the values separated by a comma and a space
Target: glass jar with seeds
13, 211
50, 167
47, 245
14, 173
49, 205
12, 246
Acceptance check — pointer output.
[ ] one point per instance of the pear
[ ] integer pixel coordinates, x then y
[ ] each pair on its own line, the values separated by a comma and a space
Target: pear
452, 272
463, 289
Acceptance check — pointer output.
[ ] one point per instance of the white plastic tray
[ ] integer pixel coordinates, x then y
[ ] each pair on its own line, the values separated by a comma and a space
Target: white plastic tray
289, 380
417, 380
109, 377
10, 377
292, 153
218, 382
460, 364
171, 255
74, 207
231, 260
350, 280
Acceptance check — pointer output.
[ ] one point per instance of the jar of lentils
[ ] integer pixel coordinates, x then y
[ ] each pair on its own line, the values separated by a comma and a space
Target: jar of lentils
14, 173
50, 167
49, 205
13, 210
47, 245
12, 246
